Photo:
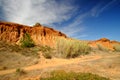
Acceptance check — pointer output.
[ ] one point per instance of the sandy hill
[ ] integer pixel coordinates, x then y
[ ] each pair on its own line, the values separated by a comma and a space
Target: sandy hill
13, 32
42, 35
106, 43
23, 63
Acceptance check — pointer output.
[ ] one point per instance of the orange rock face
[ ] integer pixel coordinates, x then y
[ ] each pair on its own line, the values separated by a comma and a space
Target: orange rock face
104, 42
41, 35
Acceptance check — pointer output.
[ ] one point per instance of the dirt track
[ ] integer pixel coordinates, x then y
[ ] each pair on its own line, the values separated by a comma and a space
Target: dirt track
53, 63
106, 65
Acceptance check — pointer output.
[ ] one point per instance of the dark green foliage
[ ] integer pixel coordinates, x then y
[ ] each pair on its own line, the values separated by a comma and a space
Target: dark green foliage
37, 24
26, 41
61, 75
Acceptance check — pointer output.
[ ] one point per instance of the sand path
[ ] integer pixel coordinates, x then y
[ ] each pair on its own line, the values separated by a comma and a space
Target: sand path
55, 62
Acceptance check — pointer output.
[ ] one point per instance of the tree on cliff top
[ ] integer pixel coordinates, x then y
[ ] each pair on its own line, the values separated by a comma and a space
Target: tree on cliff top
37, 25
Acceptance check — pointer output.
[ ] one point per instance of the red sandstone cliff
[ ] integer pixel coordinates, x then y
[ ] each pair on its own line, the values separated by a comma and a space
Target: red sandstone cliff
104, 42
41, 35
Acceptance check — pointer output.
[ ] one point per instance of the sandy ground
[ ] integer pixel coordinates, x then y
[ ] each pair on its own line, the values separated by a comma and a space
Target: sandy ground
107, 65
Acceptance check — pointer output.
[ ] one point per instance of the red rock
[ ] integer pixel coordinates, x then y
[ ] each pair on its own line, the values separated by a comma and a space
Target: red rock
41, 35
104, 42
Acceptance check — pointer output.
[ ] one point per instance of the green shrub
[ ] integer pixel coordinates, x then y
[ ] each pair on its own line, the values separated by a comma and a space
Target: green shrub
20, 71
26, 41
37, 24
31, 52
67, 48
116, 47
62, 75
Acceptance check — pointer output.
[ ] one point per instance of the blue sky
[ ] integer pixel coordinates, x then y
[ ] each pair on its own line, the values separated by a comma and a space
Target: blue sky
81, 19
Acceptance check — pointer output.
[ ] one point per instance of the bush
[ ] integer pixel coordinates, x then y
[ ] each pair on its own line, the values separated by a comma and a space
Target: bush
102, 48
116, 47
47, 51
62, 75
31, 52
3, 67
67, 48
37, 24
26, 41
20, 71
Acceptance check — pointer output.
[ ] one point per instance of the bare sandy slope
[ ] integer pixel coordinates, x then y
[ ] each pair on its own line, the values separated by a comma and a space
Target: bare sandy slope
45, 63
106, 65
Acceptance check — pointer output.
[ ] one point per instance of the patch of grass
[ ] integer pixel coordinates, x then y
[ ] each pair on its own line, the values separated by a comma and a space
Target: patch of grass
20, 71
29, 52
102, 48
26, 41
32, 52
62, 75
67, 48
116, 47
47, 51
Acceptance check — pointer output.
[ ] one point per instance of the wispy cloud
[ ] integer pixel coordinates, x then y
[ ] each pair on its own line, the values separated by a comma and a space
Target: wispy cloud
99, 8
75, 27
32, 11
49, 12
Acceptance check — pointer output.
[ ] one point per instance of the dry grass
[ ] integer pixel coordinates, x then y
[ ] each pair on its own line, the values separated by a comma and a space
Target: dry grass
102, 48
62, 75
20, 71
14, 56
117, 47
106, 65
68, 48
47, 51
10, 48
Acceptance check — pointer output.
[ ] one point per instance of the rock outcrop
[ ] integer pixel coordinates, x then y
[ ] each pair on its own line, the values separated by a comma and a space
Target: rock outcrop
104, 42
41, 35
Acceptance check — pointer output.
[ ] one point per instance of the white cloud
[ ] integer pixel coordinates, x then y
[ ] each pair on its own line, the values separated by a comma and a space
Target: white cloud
48, 12
99, 8
75, 28
32, 11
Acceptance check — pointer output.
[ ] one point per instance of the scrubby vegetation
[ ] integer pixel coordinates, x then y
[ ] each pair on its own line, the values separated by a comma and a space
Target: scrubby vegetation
15, 56
7, 47
116, 47
62, 75
47, 51
71, 48
37, 24
102, 48
20, 71
26, 41
66, 48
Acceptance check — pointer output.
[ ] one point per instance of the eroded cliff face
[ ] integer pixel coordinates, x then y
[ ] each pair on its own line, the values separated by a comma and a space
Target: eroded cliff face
41, 35
104, 42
